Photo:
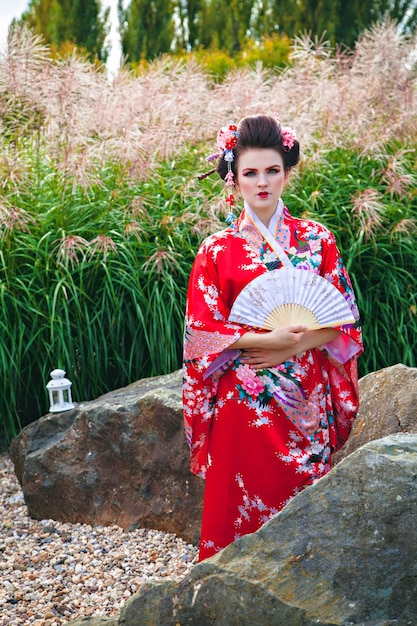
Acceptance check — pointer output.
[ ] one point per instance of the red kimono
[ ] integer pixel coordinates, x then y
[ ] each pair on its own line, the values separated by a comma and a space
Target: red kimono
259, 437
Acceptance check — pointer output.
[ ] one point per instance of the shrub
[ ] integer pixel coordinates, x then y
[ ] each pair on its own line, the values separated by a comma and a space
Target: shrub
273, 52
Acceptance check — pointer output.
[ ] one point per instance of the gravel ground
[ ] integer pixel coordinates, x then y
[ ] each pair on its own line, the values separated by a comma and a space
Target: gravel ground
51, 572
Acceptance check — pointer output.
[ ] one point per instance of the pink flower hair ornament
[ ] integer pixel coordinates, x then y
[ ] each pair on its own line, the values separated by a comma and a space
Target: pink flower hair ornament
226, 141
288, 138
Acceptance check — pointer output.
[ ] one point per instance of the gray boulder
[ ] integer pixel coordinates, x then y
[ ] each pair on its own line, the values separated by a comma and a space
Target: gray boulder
120, 459
388, 404
342, 552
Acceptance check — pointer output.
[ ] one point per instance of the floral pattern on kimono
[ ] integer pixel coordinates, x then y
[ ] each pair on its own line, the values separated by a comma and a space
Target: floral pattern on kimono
259, 437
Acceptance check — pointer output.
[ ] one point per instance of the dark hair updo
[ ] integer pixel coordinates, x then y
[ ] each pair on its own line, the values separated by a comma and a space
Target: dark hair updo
260, 131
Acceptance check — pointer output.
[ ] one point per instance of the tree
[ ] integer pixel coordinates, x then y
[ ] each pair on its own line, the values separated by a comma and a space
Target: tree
78, 22
318, 17
403, 12
146, 28
344, 21
188, 12
152, 27
225, 24
215, 26
354, 17
89, 27
241, 18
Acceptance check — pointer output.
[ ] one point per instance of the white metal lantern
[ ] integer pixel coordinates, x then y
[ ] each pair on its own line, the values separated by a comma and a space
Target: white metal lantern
59, 389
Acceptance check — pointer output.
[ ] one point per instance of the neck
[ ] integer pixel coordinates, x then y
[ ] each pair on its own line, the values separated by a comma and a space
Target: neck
269, 221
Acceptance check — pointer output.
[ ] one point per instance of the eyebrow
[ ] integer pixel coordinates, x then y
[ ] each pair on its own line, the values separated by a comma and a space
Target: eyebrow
249, 169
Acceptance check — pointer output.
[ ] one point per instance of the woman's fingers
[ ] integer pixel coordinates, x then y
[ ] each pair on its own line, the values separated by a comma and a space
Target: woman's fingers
261, 358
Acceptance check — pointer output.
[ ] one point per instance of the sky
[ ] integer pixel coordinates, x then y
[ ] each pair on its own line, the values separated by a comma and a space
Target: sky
14, 8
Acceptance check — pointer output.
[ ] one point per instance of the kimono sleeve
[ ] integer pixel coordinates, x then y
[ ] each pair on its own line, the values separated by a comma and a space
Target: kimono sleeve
349, 343
207, 338
339, 357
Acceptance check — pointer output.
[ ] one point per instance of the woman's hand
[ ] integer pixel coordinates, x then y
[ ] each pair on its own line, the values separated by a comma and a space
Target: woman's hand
283, 337
262, 350
261, 358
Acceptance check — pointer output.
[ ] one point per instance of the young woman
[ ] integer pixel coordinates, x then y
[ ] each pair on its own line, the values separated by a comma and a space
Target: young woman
263, 410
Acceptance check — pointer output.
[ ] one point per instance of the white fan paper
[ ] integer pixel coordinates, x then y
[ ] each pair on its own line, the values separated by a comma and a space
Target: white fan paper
291, 296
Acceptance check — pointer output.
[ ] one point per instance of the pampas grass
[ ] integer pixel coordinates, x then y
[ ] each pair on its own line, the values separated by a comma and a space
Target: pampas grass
101, 211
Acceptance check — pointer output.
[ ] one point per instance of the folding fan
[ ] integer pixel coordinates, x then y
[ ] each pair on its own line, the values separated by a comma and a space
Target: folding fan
291, 296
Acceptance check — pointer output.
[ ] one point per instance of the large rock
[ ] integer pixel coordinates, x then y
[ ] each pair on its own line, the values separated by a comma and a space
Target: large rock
388, 404
121, 459
342, 552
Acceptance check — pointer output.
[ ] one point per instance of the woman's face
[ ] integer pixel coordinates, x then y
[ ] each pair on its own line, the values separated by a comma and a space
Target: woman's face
260, 179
